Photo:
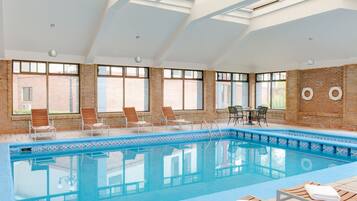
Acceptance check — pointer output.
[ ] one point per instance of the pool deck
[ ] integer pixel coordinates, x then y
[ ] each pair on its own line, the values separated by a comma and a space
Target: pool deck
347, 181
124, 131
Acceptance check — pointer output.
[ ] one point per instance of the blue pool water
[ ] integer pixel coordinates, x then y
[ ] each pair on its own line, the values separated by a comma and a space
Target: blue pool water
161, 173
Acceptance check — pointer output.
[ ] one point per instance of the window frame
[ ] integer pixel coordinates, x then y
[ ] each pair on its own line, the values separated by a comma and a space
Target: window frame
270, 81
183, 78
231, 80
47, 74
123, 76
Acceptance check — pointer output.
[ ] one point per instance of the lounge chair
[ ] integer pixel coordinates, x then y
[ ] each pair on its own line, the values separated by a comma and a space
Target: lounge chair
90, 121
170, 117
131, 118
300, 193
40, 124
250, 198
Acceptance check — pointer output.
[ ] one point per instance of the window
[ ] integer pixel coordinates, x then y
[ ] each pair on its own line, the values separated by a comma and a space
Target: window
271, 89
119, 87
231, 89
63, 88
183, 89
45, 85
26, 93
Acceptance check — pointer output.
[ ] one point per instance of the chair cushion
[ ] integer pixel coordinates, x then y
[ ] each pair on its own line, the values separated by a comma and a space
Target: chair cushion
98, 125
44, 128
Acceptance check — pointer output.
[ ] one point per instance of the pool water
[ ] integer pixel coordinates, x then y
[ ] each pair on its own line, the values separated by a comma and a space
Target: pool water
170, 172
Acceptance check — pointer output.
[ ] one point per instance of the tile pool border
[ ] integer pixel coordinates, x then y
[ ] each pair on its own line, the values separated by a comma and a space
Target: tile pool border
265, 136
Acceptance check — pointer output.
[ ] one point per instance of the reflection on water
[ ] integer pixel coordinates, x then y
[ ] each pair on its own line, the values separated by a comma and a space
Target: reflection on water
171, 172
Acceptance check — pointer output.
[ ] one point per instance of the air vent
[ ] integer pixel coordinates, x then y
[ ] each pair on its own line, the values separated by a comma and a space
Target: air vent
26, 149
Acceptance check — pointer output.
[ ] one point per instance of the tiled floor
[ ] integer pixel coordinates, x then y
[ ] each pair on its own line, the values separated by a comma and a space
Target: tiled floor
349, 184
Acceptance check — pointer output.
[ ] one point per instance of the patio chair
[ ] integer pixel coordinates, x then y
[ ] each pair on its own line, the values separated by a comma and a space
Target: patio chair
250, 198
170, 117
235, 113
90, 122
241, 114
261, 115
131, 118
300, 193
40, 124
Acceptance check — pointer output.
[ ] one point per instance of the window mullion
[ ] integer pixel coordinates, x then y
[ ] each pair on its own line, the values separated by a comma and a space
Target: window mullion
183, 94
47, 91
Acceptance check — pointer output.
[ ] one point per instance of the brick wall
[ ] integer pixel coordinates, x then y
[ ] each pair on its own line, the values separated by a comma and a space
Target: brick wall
319, 112
322, 112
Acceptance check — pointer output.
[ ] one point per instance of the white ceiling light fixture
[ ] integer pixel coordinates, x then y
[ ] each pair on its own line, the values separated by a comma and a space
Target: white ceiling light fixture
138, 59
52, 52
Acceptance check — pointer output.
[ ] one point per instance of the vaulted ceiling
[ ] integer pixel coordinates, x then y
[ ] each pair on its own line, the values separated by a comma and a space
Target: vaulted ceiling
232, 35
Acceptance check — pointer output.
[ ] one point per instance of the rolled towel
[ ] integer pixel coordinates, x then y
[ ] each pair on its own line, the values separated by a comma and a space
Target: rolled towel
324, 193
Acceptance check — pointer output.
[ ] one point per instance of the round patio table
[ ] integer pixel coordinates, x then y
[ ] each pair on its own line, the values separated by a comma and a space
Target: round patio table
250, 112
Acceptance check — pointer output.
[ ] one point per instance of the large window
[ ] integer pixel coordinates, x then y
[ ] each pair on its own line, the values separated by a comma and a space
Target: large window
183, 89
271, 89
119, 87
39, 85
231, 89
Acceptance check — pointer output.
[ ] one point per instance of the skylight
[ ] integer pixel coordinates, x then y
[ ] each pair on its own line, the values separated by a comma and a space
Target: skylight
175, 5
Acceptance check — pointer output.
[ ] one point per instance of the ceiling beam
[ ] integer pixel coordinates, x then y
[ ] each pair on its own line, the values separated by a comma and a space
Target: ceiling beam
229, 47
283, 15
108, 13
294, 12
201, 9
350, 4
2, 35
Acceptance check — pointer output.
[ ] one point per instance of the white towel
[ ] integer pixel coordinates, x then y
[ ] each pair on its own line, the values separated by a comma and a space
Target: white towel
324, 193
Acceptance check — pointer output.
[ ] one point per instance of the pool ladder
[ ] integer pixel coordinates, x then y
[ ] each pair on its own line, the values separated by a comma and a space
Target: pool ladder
210, 127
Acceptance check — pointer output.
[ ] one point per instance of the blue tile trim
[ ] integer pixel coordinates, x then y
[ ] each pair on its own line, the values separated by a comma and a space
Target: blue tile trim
123, 141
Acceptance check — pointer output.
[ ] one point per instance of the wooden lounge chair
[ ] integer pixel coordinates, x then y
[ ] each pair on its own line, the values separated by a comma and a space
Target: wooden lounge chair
170, 117
90, 121
250, 198
131, 118
299, 193
40, 124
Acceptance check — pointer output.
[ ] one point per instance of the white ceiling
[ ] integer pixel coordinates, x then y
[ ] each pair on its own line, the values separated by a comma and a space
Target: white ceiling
207, 35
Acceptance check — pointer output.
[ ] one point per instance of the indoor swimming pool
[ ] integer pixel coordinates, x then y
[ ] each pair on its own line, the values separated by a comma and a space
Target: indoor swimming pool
205, 164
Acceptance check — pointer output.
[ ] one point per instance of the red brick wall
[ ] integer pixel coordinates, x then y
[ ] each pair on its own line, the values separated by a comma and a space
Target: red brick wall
319, 112
321, 80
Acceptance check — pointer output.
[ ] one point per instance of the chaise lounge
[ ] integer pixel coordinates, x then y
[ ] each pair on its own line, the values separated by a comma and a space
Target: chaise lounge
90, 122
40, 124
300, 193
131, 118
170, 118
